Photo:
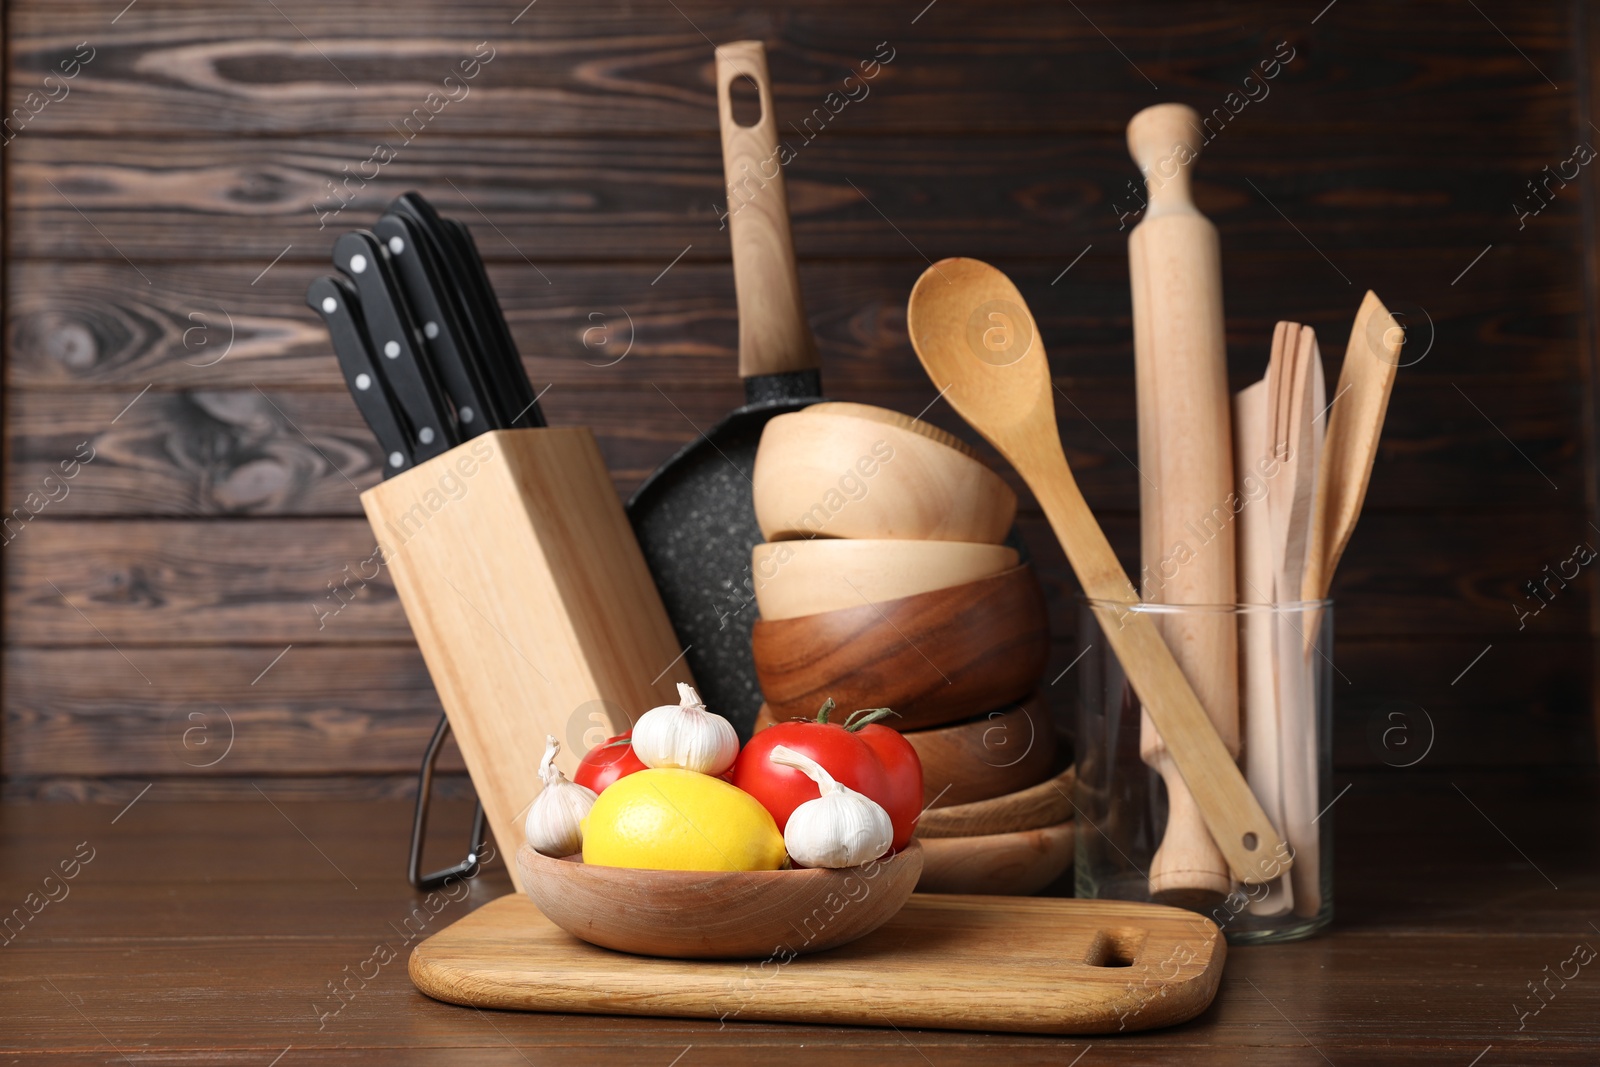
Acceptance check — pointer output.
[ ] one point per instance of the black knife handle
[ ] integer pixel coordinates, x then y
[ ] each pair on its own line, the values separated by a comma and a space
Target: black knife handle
339, 305
396, 342
433, 309
484, 322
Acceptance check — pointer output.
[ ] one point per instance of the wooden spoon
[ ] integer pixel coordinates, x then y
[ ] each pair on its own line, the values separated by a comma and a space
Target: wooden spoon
978, 343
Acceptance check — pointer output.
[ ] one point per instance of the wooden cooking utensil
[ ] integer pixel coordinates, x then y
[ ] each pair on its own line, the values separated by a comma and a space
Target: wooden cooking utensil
1028, 966
1344, 467
1291, 507
840, 473
530, 601
693, 516
934, 658
1354, 424
1254, 461
715, 914
1293, 489
1013, 864
1044, 804
1181, 366
978, 343
794, 578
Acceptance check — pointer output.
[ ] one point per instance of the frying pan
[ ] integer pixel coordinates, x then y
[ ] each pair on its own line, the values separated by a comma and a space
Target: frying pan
694, 517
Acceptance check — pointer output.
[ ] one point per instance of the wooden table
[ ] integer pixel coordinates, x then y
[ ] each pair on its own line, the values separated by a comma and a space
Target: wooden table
211, 933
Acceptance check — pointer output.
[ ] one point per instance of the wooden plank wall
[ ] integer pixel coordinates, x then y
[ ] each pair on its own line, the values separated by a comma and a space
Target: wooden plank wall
167, 204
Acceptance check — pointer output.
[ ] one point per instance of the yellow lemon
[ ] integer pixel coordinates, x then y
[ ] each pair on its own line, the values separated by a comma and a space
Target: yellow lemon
675, 820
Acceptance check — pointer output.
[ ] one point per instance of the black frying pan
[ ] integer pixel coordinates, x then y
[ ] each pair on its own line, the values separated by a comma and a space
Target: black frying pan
694, 516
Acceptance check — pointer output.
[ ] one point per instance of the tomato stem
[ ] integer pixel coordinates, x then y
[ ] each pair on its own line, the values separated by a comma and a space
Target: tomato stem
866, 717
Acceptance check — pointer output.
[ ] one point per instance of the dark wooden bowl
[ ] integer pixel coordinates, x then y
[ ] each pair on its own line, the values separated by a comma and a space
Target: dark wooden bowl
1016, 864
1045, 804
1006, 750
933, 657
719, 914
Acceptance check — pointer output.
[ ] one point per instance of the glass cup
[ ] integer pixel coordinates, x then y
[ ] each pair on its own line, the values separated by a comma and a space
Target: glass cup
1125, 799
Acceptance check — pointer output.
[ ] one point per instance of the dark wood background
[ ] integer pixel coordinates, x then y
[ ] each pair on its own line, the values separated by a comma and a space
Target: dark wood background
161, 228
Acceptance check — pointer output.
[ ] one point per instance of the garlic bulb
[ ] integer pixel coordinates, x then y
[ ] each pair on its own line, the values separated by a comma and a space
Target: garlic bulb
685, 735
554, 826
841, 828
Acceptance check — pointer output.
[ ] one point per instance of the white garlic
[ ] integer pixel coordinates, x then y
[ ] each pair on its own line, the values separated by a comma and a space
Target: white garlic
554, 826
685, 735
841, 828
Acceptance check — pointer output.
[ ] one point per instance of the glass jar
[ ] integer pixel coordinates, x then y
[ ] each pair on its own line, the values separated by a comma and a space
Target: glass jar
1284, 741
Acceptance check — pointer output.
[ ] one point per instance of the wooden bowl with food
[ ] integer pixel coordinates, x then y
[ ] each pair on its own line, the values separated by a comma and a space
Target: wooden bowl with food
719, 914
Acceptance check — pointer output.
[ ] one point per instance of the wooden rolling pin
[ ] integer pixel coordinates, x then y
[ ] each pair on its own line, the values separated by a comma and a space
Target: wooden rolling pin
1186, 450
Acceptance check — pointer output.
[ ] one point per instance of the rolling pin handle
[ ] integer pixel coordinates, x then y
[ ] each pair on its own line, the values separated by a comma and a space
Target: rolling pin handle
1165, 140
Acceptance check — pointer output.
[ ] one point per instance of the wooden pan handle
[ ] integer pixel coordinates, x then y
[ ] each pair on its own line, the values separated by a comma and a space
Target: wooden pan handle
773, 335
1164, 140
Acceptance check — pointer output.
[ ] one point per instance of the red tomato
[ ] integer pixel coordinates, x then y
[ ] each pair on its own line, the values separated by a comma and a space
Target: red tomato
873, 760
904, 769
606, 763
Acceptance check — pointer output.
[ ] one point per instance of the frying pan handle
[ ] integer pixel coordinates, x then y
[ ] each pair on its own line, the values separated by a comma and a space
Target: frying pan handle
773, 335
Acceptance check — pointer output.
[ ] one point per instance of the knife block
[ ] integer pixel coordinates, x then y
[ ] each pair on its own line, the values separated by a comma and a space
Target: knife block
531, 603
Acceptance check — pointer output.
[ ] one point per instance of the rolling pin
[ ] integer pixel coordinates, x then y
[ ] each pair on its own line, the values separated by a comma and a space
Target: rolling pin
1186, 450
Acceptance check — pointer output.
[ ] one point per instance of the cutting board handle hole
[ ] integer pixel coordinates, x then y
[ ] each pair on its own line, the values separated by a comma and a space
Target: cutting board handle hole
744, 100
1114, 948
1250, 842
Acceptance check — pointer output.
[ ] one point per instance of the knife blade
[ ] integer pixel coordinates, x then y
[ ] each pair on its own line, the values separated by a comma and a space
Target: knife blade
337, 301
433, 307
394, 335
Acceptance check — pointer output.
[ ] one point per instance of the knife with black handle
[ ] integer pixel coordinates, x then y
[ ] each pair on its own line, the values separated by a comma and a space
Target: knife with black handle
481, 316
521, 400
433, 308
339, 305
396, 343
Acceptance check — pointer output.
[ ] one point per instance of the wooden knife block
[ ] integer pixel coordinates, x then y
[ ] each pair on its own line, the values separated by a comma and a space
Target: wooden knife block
531, 602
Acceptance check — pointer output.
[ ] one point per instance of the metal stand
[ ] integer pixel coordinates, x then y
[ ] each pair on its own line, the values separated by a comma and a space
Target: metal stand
419, 823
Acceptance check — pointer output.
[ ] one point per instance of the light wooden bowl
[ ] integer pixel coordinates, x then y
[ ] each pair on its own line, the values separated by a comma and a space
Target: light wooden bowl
1003, 864
794, 578
842, 474
932, 657
718, 914
990, 756
1045, 804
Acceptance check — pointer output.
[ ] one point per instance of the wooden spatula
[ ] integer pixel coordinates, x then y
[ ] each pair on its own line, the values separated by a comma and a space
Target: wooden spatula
1355, 422
1294, 498
1344, 467
1258, 675
980, 346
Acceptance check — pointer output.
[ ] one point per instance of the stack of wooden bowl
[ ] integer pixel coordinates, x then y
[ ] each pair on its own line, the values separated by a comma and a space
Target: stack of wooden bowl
884, 582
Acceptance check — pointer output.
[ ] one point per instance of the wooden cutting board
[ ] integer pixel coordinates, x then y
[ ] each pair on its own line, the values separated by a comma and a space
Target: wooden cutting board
1029, 965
